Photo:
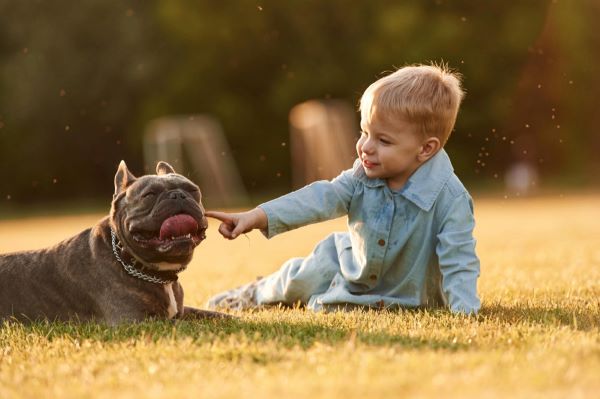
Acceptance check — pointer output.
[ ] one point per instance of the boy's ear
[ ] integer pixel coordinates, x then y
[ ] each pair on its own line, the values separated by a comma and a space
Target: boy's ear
429, 148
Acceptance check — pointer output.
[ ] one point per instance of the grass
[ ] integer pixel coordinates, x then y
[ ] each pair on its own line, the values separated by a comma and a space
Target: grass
537, 335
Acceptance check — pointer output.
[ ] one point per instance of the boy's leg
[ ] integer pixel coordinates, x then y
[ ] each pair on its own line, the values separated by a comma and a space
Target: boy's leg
296, 281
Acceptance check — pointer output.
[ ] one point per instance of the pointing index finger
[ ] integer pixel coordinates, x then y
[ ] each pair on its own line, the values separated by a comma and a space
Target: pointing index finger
222, 216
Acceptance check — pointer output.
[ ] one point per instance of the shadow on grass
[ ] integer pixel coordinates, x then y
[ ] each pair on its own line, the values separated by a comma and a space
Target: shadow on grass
287, 334
303, 333
578, 319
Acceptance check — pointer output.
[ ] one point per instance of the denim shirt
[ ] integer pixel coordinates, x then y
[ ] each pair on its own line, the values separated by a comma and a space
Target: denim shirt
408, 248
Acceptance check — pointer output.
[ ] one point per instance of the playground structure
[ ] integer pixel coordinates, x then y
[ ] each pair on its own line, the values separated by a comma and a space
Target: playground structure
196, 147
323, 134
322, 138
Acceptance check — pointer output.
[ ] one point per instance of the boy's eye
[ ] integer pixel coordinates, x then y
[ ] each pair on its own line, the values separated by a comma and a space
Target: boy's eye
384, 141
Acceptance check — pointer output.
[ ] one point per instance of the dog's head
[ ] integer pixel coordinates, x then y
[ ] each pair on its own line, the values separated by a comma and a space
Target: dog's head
158, 218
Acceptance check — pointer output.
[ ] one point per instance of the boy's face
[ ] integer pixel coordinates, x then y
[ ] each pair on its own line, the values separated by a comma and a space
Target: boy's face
388, 149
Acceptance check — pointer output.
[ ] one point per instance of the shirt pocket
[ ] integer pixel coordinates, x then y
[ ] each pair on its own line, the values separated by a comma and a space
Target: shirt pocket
348, 266
350, 269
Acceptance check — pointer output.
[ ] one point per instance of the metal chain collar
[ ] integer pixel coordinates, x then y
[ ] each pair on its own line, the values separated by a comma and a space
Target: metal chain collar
130, 269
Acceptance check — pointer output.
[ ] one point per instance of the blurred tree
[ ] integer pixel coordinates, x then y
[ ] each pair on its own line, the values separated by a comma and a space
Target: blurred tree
552, 120
278, 54
79, 82
72, 80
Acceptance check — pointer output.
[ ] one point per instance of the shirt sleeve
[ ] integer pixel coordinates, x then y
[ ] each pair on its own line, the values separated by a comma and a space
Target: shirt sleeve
459, 264
319, 201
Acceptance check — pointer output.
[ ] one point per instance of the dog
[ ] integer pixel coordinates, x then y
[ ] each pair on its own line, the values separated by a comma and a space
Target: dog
124, 269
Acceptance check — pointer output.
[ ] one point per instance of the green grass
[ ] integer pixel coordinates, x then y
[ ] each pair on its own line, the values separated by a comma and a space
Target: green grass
537, 335
503, 351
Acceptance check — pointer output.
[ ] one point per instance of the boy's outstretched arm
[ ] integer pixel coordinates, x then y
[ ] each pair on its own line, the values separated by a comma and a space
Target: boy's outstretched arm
234, 224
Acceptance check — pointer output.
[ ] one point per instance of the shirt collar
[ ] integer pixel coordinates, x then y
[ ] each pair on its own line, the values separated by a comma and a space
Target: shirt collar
425, 184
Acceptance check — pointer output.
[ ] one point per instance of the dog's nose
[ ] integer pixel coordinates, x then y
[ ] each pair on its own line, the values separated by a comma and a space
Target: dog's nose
176, 194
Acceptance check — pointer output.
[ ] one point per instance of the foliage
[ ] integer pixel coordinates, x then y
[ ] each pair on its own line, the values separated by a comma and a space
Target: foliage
79, 82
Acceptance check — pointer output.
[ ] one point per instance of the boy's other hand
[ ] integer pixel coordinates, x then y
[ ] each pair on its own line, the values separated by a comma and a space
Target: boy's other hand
234, 224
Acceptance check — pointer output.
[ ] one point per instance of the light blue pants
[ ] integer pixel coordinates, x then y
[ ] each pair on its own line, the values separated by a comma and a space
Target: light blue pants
300, 278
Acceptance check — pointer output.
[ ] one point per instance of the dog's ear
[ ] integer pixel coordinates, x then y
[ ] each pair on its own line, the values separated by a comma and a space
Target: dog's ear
163, 168
123, 178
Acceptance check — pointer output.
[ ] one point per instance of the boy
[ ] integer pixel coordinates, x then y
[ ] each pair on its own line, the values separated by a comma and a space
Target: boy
410, 219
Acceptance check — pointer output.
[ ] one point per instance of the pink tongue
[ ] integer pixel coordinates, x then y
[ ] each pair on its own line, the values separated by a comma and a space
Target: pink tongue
178, 225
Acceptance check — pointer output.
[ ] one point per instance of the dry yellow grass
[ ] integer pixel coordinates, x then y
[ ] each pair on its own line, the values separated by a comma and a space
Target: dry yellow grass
538, 334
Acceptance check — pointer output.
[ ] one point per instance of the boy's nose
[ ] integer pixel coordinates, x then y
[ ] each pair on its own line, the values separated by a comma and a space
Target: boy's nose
368, 146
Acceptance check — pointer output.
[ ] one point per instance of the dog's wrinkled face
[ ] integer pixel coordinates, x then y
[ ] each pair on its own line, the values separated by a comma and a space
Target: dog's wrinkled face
159, 218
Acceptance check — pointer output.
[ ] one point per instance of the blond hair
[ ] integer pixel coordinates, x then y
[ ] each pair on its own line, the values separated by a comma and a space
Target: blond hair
428, 96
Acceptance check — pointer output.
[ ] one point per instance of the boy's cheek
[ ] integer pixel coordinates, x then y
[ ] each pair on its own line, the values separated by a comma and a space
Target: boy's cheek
359, 145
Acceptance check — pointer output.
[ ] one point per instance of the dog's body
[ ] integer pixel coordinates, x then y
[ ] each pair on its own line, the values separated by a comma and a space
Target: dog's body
84, 278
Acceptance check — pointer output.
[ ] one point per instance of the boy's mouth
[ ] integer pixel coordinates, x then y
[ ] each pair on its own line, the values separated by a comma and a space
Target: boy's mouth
368, 164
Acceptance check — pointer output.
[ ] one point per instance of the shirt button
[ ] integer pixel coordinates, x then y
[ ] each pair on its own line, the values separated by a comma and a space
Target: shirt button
381, 242
373, 277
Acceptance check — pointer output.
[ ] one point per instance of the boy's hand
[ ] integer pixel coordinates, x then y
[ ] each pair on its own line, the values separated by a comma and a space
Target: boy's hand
234, 224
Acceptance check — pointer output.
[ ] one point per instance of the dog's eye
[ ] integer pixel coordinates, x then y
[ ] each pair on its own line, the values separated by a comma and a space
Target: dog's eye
148, 194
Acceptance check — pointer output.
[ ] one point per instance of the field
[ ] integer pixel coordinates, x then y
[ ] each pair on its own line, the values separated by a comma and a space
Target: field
537, 335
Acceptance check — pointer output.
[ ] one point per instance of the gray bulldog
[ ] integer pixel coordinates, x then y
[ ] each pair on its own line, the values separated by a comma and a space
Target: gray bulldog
122, 269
